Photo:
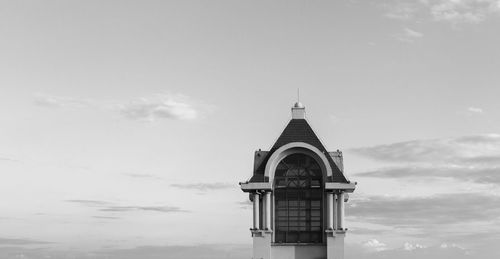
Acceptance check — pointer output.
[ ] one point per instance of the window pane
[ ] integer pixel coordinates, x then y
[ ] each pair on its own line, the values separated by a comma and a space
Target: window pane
299, 200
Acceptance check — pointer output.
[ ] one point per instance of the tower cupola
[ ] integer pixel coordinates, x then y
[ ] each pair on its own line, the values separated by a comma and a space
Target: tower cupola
298, 189
298, 111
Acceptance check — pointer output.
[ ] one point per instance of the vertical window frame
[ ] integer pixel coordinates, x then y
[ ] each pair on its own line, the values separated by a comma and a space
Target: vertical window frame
301, 222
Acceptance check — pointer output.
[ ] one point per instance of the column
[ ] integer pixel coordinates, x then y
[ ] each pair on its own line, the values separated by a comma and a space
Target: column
267, 208
330, 205
340, 211
256, 213
335, 217
262, 239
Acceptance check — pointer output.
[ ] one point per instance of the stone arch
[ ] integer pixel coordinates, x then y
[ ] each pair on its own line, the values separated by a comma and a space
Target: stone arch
297, 147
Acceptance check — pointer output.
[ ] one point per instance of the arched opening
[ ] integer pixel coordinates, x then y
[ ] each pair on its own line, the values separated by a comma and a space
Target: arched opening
298, 193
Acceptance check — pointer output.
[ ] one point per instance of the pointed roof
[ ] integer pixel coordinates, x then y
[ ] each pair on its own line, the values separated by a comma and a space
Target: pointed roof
298, 130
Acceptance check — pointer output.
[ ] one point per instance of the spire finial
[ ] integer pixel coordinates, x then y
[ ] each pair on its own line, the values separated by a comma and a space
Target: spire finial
298, 104
298, 109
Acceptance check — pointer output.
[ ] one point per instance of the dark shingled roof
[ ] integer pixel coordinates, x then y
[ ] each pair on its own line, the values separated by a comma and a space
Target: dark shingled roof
298, 130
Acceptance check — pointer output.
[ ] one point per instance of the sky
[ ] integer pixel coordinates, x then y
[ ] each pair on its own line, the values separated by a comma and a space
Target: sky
125, 126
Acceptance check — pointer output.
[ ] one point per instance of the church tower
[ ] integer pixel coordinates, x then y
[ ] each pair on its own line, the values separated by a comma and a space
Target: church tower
298, 190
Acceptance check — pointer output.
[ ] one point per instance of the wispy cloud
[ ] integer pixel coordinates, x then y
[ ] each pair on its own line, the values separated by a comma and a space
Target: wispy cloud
470, 158
468, 218
18, 241
167, 209
229, 252
105, 217
89, 202
452, 245
459, 150
407, 250
144, 252
181, 252
162, 106
453, 11
113, 207
472, 174
47, 100
470, 11
475, 110
426, 212
152, 108
403, 10
8, 159
204, 186
374, 244
408, 35
410, 247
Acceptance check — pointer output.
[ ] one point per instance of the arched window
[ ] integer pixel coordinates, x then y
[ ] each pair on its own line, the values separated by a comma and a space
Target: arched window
298, 200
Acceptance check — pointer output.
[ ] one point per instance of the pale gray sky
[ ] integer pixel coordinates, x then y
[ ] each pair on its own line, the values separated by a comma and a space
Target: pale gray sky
125, 126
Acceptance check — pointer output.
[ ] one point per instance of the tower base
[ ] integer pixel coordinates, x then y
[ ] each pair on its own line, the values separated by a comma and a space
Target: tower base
335, 244
261, 244
263, 248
